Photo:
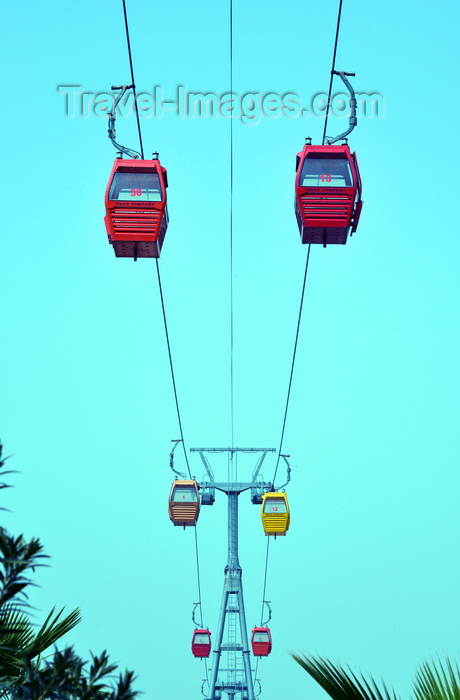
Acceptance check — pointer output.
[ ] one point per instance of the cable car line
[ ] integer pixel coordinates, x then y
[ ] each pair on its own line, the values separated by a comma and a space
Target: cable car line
352, 123
167, 334
133, 86
199, 579
197, 559
172, 368
265, 582
199, 598
292, 364
132, 78
339, 15
275, 509
231, 230
199, 601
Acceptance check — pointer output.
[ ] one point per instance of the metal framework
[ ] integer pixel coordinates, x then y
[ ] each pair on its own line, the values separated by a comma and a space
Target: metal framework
236, 679
353, 118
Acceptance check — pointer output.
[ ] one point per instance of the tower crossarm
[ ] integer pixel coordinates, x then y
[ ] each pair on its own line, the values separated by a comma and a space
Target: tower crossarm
236, 486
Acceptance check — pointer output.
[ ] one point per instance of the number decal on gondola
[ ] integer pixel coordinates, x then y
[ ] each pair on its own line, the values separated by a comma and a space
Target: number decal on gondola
326, 178
136, 192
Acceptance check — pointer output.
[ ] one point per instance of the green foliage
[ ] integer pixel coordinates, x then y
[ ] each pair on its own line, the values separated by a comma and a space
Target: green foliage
63, 677
434, 680
341, 683
17, 557
24, 674
438, 680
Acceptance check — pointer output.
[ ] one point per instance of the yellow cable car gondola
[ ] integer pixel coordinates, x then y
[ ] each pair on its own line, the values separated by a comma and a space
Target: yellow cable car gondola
184, 502
275, 513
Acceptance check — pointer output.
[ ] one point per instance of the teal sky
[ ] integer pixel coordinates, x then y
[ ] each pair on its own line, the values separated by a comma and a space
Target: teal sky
369, 572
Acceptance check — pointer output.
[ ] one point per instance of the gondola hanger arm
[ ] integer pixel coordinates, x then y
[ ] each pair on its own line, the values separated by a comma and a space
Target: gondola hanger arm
285, 457
353, 118
112, 116
171, 459
195, 606
267, 603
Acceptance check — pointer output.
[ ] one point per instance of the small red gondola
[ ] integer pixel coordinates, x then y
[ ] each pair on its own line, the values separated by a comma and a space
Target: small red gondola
136, 213
201, 643
261, 641
327, 194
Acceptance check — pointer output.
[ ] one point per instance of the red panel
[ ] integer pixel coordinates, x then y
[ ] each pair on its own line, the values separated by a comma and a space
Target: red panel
201, 643
137, 228
325, 214
261, 641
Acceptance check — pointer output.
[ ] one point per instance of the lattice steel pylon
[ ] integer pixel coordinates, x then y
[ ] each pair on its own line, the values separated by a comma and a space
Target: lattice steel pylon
236, 680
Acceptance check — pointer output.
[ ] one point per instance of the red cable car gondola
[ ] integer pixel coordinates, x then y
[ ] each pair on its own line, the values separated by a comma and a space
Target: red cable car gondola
261, 641
136, 213
201, 643
327, 194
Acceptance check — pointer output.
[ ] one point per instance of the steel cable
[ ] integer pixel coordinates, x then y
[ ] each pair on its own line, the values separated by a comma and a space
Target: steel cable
231, 230
332, 70
165, 324
339, 14
132, 78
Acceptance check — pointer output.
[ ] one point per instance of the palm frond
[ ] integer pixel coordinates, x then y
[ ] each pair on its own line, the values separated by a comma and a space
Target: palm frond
52, 630
437, 680
17, 557
16, 633
19, 641
341, 683
3, 472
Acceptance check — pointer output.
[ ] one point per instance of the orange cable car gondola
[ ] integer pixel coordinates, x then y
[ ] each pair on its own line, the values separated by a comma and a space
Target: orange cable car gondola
261, 641
327, 194
136, 213
184, 502
275, 513
201, 643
